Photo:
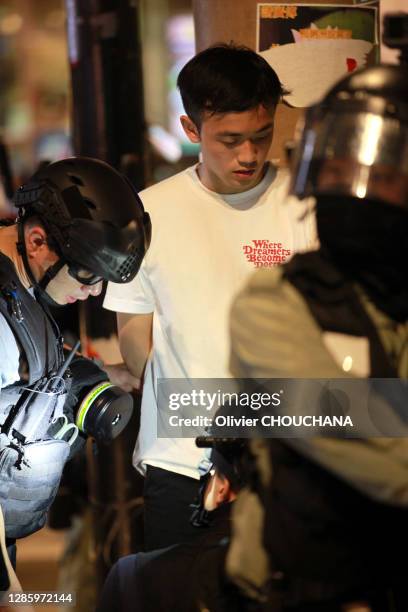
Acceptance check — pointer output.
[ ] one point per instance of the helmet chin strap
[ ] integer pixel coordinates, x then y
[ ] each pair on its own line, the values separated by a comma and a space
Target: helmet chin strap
51, 272
21, 249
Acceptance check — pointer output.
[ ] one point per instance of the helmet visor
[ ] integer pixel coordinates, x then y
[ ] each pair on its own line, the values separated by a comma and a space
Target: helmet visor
363, 155
102, 251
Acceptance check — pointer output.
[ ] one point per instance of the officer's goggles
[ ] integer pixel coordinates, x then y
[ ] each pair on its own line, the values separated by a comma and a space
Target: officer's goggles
82, 275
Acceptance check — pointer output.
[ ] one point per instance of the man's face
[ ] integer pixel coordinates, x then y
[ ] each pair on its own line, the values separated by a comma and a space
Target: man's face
234, 147
218, 491
64, 289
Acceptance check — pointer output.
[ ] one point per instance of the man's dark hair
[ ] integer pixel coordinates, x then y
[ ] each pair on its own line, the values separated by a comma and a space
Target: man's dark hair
227, 78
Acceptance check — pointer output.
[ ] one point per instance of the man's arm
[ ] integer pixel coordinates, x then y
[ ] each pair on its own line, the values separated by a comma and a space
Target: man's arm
135, 343
135, 340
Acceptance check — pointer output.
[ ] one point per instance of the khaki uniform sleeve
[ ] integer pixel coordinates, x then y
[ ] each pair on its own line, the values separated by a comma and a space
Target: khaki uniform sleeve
274, 335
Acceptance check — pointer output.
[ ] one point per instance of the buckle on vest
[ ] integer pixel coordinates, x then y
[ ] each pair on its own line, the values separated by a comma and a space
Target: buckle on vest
20, 461
13, 301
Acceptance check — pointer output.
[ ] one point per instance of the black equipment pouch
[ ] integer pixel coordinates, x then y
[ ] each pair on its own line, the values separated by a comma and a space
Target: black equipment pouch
31, 461
30, 476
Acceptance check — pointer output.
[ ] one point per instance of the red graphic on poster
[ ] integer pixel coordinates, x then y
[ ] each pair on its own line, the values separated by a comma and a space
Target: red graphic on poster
265, 254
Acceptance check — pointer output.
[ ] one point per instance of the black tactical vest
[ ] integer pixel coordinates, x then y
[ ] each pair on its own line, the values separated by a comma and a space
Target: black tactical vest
34, 330
31, 462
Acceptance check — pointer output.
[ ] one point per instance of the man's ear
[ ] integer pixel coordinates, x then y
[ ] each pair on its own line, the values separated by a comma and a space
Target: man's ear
35, 240
223, 490
190, 129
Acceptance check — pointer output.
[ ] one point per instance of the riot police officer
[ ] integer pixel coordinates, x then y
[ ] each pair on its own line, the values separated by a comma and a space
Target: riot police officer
336, 509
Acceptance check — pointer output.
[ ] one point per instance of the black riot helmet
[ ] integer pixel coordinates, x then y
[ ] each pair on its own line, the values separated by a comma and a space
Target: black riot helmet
355, 142
352, 157
94, 219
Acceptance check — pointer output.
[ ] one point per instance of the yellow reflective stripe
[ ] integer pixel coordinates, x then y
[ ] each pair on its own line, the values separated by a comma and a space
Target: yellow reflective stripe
87, 401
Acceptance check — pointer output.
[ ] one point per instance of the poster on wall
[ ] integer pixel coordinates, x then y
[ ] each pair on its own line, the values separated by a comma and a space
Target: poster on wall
311, 46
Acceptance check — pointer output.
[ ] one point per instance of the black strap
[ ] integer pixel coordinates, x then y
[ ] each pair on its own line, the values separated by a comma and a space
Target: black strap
51, 273
48, 276
21, 248
31, 323
335, 304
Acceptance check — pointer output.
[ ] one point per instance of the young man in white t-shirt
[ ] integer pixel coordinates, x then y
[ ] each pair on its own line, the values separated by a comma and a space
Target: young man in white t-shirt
213, 225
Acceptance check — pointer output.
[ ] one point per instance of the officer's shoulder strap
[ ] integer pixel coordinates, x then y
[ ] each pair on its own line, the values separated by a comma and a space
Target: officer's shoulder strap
330, 295
335, 304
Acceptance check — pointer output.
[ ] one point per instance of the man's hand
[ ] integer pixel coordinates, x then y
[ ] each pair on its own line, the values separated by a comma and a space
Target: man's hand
119, 375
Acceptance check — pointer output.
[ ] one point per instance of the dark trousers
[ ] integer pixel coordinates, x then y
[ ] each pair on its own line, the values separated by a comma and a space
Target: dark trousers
167, 511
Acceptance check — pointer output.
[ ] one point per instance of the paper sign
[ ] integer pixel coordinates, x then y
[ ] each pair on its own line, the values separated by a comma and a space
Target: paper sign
311, 46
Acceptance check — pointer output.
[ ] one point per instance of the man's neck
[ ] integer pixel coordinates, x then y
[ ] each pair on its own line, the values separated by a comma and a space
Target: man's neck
8, 246
212, 183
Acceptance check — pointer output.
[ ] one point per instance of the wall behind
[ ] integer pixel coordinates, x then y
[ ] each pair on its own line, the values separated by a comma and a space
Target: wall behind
227, 20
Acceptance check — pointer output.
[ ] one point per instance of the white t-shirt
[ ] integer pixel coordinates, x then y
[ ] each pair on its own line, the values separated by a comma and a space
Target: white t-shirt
204, 247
